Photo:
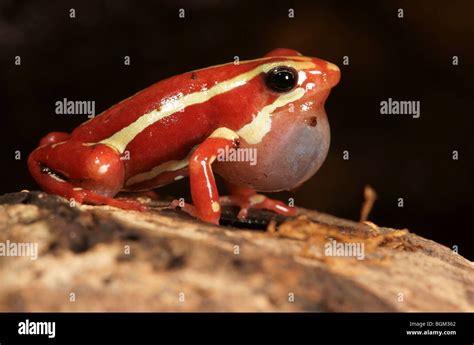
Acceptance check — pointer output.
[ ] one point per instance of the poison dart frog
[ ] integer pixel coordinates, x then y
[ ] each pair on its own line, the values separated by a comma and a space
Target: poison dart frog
177, 127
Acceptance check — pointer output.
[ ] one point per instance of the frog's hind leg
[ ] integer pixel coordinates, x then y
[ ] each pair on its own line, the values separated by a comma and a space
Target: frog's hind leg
247, 198
54, 138
86, 173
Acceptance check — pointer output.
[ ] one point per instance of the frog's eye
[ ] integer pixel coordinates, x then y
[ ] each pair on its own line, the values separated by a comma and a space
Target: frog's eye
281, 79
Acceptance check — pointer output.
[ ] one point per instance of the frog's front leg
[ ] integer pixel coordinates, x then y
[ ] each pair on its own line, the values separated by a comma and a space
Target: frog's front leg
207, 204
203, 185
247, 198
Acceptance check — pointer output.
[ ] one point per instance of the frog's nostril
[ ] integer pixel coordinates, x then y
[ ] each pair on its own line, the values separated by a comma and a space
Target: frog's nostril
311, 121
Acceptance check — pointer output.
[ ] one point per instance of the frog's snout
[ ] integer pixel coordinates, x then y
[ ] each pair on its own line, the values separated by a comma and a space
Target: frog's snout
333, 74
323, 76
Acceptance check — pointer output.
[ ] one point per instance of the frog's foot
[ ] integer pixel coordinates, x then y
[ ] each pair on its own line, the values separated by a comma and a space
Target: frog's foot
150, 194
247, 198
123, 203
246, 202
180, 204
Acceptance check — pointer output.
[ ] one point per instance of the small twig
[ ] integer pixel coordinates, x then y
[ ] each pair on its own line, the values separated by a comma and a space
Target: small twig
369, 199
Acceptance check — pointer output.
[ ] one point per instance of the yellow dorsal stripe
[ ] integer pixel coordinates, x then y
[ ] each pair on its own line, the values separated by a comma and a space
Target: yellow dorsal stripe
122, 138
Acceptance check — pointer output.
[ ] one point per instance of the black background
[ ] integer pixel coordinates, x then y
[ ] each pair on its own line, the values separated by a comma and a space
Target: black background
405, 59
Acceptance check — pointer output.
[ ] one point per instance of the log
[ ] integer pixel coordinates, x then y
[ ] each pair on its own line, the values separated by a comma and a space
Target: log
99, 258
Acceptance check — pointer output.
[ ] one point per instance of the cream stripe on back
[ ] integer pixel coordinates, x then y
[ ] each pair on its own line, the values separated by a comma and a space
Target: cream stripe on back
122, 138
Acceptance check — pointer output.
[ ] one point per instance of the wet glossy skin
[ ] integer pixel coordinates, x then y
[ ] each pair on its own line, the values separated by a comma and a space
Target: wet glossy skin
176, 127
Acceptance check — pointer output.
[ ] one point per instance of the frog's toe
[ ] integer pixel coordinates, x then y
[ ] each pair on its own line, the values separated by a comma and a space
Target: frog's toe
260, 201
180, 204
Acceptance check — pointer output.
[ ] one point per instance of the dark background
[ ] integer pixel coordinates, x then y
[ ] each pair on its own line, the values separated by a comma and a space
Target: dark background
405, 59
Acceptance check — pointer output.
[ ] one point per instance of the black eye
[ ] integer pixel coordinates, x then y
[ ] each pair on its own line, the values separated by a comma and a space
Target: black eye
281, 79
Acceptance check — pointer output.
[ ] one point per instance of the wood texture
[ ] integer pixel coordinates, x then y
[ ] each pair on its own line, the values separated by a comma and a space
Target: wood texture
98, 258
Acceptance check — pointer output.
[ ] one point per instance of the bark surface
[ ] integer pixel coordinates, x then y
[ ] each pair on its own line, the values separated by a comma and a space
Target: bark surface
99, 258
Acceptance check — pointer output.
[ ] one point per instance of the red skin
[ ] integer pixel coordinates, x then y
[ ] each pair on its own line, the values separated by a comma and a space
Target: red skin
101, 172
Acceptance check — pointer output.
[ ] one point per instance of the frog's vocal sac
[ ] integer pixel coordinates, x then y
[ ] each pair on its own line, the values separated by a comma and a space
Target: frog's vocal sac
177, 127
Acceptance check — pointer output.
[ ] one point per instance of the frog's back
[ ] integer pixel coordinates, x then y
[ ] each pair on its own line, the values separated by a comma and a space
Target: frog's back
165, 121
154, 97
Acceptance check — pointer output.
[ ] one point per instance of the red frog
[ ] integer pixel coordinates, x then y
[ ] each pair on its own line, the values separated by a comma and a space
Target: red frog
179, 126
